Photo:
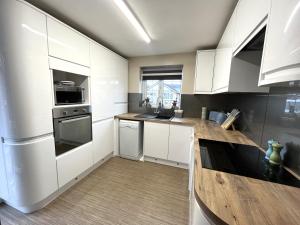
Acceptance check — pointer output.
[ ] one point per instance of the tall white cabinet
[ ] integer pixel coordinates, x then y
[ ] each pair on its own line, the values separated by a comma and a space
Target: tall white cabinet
28, 154
25, 93
281, 58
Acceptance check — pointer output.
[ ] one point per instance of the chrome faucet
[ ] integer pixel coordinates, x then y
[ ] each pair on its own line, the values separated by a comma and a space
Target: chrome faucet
160, 105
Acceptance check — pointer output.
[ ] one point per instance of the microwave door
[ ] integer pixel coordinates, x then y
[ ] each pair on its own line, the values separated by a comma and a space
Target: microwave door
76, 131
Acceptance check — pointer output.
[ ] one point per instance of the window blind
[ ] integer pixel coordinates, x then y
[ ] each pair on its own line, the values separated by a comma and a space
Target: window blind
173, 72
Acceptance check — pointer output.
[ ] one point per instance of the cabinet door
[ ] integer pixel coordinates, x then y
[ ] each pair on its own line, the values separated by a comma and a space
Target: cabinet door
121, 82
73, 163
65, 43
25, 84
204, 71
30, 170
222, 69
281, 57
156, 140
103, 139
102, 81
246, 20
3, 179
179, 143
227, 40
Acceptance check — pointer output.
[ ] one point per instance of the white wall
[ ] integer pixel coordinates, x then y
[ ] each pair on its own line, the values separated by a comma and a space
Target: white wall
188, 60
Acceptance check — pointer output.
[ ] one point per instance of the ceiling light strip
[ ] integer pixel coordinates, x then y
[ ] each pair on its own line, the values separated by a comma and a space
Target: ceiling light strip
133, 20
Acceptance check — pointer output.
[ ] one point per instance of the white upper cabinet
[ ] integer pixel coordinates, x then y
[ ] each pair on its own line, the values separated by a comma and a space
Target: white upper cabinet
103, 82
180, 141
281, 59
222, 69
223, 58
204, 71
25, 83
67, 44
249, 15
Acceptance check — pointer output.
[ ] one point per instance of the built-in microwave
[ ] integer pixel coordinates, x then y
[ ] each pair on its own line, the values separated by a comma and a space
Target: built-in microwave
68, 95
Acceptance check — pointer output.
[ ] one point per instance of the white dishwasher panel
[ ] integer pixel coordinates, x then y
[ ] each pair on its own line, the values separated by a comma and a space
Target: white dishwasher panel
131, 137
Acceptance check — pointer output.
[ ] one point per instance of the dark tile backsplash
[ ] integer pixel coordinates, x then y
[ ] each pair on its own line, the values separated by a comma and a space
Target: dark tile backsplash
263, 116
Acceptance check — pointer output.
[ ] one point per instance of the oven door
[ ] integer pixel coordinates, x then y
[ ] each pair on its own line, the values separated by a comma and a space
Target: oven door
72, 132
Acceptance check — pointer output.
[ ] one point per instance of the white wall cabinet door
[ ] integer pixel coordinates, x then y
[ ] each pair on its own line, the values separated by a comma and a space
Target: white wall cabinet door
103, 139
222, 68
66, 43
25, 84
156, 140
102, 81
281, 58
179, 143
73, 163
205, 61
247, 21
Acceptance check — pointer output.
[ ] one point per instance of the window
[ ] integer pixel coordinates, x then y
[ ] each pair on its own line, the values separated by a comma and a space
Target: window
162, 85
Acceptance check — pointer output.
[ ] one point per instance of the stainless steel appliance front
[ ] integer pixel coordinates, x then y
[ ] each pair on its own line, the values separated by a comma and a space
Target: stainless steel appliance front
67, 95
72, 128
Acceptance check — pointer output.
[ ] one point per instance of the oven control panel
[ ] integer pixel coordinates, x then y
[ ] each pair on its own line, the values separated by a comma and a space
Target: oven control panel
70, 111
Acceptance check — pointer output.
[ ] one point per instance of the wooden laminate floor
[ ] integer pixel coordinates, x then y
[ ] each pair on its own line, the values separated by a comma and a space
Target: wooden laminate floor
117, 193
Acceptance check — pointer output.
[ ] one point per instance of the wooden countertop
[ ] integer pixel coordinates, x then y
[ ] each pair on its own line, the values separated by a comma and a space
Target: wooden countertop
233, 199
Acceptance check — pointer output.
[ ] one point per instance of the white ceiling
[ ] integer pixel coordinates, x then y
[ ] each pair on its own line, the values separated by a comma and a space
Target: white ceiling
175, 26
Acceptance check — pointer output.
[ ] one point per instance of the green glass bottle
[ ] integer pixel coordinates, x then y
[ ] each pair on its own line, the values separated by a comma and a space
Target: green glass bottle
275, 157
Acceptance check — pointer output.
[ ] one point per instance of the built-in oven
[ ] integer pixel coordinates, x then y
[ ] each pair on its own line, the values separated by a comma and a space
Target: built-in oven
72, 128
68, 95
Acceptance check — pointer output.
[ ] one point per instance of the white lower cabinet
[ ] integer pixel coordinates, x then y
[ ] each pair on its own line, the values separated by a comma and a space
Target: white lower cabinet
71, 164
156, 140
31, 172
103, 139
168, 142
179, 143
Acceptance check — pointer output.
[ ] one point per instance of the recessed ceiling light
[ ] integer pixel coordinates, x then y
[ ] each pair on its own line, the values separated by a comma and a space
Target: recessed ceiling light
133, 20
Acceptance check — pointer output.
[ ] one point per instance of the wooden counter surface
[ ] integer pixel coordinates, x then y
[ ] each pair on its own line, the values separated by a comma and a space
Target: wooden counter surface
233, 199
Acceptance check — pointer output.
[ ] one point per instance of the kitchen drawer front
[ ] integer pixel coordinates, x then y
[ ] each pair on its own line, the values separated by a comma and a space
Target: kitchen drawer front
73, 163
65, 43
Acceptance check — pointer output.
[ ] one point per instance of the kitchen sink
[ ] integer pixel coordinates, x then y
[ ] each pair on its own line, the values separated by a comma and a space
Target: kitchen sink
151, 116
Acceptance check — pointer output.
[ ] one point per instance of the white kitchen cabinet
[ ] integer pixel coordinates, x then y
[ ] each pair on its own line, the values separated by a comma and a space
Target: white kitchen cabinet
156, 140
247, 21
31, 172
25, 84
180, 140
67, 44
109, 75
103, 139
121, 108
73, 163
121, 76
281, 58
3, 179
103, 82
222, 68
204, 72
